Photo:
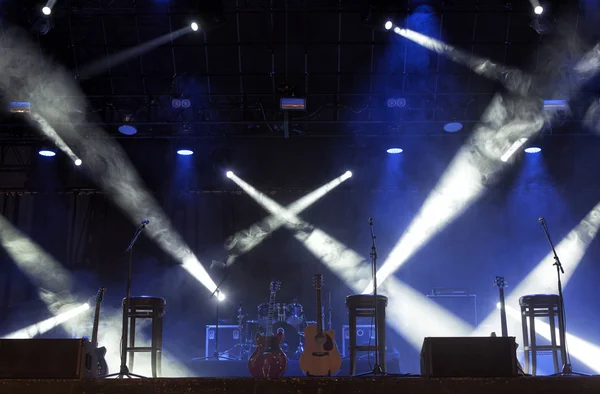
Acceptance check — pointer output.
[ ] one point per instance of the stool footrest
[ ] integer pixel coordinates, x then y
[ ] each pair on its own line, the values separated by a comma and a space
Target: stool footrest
545, 347
364, 348
142, 349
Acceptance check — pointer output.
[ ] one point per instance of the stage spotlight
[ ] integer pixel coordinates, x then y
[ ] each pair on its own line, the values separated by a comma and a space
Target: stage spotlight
221, 297
127, 130
78, 162
348, 174
533, 149
194, 26
185, 152
538, 10
46, 10
47, 153
229, 174
394, 151
453, 127
388, 25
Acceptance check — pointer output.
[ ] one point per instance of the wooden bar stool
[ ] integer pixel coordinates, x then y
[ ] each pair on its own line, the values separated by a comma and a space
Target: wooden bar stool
363, 306
541, 305
146, 307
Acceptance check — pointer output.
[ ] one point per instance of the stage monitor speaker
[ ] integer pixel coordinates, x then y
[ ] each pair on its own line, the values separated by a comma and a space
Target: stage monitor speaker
469, 357
46, 359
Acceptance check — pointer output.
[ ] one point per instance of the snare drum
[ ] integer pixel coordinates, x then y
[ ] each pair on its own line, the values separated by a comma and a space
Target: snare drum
294, 313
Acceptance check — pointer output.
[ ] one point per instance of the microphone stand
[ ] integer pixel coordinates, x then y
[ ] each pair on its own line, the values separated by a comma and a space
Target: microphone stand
377, 370
216, 294
567, 370
124, 371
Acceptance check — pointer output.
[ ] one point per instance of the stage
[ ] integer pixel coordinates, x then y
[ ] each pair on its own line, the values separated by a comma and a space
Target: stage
529, 385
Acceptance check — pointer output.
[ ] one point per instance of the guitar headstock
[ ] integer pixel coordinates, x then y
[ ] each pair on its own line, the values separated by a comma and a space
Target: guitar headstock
499, 281
275, 286
100, 294
318, 281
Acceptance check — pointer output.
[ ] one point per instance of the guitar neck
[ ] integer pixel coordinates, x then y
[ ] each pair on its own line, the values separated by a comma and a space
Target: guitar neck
270, 316
95, 327
319, 312
503, 313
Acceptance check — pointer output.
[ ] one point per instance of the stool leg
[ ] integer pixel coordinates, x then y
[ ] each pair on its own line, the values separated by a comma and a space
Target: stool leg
533, 342
352, 340
551, 315
381, 347
159, 333
561, 329
131, 340
526, 350
153, 343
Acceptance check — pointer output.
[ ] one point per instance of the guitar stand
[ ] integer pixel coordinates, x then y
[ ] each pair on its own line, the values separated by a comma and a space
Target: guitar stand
318, 376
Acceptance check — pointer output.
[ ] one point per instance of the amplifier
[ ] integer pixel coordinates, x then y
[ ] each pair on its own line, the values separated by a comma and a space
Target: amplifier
365, 335
46, 359
463, 306
469, 357
229, 337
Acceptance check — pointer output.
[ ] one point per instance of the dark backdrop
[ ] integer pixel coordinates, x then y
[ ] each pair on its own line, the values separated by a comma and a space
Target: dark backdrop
498, 235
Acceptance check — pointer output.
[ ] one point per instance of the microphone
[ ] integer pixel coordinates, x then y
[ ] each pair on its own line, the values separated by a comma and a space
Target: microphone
541, 220
145, 221
371, 221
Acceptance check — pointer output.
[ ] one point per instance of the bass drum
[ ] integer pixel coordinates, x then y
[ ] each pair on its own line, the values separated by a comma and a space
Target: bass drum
291, 339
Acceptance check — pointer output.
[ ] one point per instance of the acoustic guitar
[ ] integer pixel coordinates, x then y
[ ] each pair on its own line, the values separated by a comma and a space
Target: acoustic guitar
99, 352
268, 360
320, 356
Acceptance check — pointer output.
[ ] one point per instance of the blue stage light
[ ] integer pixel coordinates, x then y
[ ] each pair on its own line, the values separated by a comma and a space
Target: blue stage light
185, 152
47, 153
394, 151
533, 149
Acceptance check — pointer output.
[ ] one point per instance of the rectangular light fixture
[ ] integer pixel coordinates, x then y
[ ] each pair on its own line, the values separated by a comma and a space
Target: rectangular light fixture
20, 107
293, 104
556, 105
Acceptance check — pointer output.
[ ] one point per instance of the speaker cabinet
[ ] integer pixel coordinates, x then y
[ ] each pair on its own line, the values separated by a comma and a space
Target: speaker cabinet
46, 359
469, 357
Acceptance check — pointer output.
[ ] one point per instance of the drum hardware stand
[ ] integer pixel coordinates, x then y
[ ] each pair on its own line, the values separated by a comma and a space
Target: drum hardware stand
377, 370
124, 371
567, 369
216, 355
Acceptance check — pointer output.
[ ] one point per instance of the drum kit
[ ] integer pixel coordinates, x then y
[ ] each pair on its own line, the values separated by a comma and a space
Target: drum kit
288, 318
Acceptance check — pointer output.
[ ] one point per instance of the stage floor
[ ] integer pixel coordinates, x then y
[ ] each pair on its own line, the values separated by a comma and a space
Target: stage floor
363, 385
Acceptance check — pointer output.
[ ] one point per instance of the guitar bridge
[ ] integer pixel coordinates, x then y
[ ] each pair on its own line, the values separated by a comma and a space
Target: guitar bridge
320, 354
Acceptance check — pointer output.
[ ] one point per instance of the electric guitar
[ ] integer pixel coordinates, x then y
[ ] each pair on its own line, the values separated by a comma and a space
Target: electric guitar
268, 360
501, 284
320, 356
100, 352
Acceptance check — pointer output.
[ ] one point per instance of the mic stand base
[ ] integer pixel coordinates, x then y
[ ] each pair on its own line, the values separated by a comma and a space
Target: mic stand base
124, 372
217, 356
568, 371
378, 371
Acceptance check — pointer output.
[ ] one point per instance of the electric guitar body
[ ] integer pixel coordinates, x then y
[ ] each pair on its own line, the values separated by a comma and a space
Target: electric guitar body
102, 366
268, 360
320, 356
